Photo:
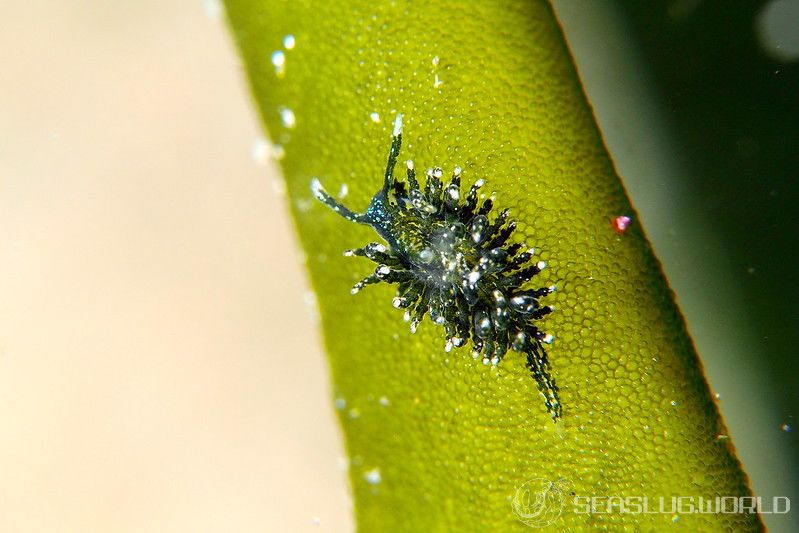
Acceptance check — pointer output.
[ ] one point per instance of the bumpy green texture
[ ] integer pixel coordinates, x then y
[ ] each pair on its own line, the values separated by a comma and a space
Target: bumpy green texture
488, 86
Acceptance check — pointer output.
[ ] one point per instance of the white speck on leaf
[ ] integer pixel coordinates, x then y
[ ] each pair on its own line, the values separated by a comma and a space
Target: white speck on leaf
373, 476
287, 117
279, 62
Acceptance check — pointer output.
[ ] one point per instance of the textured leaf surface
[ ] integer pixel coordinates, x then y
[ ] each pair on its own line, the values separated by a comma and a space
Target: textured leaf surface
438, 441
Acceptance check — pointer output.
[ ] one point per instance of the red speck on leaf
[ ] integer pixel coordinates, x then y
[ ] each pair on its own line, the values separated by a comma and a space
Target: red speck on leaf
621, 223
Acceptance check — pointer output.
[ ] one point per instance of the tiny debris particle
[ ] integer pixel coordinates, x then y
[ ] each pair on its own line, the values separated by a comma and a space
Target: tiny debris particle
621, 223
340, 403
279, 62
277, 152
375, 117
373, 476
213, 9
384, 401
289, 41
303, 205
287, 117
259, 151
309, 299
278, 58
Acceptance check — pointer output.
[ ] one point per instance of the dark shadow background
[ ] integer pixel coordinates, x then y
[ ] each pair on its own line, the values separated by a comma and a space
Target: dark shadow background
735, 110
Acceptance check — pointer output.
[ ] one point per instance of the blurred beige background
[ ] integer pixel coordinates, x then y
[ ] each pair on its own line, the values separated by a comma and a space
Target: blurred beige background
159, 369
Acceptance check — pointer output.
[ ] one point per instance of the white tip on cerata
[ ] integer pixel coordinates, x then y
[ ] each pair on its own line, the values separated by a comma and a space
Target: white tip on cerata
398, 124
316, 188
